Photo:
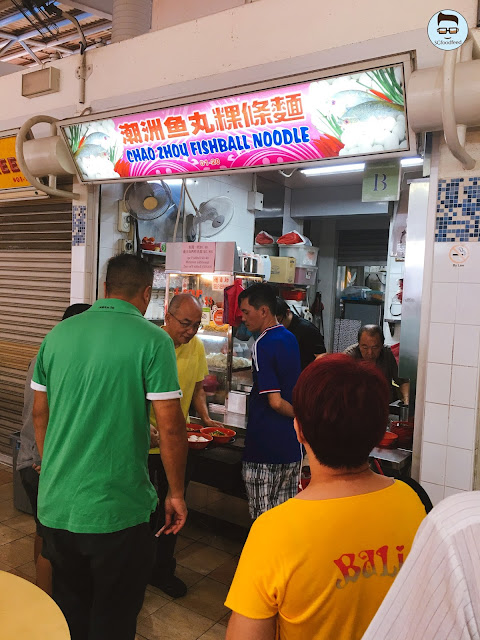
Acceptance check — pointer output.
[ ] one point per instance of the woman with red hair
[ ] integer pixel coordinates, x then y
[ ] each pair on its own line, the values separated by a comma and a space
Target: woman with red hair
318, 566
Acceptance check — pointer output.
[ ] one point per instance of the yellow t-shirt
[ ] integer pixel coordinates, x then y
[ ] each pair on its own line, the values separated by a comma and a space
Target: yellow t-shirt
192, 368
324, 566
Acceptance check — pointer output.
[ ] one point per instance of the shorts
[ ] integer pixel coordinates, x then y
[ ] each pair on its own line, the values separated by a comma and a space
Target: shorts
268, 485
30, 479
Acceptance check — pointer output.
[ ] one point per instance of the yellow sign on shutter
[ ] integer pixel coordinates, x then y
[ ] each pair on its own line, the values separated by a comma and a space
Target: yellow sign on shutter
10, 175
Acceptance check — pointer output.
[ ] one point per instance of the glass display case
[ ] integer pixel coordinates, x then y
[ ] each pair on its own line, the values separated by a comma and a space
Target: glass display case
229, 359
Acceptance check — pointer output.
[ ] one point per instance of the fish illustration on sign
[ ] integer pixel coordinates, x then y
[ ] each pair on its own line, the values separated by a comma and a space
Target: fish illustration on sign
371, 109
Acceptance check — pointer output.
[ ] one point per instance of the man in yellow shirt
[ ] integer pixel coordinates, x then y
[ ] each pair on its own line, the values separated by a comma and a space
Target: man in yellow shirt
182, 322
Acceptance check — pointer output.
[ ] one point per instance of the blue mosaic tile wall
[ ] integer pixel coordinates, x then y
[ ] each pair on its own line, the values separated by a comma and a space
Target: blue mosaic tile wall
458, 210
79, 223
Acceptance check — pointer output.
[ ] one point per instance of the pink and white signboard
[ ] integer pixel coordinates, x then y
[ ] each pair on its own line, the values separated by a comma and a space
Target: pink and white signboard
350, 115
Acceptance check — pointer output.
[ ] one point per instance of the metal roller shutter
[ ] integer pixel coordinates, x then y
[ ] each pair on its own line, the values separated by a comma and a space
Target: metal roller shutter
35, 258
362, 247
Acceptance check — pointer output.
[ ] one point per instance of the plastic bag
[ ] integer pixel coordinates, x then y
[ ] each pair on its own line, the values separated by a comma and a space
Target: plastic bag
293, 237
264, 238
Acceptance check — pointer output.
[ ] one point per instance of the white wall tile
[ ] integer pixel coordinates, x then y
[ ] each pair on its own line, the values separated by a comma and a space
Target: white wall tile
459, 469
464, 386
77, 284
461, 428
450, 491
435, 491
468, 304
433, 463
443, 268
466, 345
78, 258
440, 342
438, 383
435, 423
470, 271
444, 296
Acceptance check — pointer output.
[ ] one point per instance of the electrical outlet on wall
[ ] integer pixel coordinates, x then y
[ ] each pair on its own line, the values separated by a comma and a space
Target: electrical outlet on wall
123, 221
124, 246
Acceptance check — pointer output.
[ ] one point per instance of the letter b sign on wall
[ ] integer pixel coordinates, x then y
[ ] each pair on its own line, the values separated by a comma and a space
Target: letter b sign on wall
381, 182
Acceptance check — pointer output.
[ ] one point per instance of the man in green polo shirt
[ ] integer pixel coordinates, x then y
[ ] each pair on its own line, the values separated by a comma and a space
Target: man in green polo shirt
93, 381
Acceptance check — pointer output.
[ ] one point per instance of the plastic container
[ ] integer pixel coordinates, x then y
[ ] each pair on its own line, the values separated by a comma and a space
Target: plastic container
266, 249
294, 294
389, 440
304, 255
305, 275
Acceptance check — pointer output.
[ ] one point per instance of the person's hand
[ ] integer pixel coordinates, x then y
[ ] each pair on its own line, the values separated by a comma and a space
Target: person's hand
37, 467
175, 515
213, 423
153, 437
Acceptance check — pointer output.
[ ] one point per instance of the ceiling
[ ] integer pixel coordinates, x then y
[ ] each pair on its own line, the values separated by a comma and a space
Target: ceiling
30, 37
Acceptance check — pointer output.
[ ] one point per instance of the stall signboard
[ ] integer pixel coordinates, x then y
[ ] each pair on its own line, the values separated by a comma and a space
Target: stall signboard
11, 176
347, 115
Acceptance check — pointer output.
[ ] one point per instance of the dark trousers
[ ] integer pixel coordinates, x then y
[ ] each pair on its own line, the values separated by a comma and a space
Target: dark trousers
99, 579
165, 563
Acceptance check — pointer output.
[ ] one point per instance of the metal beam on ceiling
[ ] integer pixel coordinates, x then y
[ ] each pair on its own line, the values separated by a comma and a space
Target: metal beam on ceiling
54, 44
99, 8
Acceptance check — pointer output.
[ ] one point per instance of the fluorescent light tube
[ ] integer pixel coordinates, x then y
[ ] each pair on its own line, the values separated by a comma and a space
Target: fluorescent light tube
339, 168
411, 162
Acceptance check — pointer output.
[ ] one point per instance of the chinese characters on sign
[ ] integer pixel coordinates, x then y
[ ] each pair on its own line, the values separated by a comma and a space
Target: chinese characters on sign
256, 113
341, 116
220, 282
198, 257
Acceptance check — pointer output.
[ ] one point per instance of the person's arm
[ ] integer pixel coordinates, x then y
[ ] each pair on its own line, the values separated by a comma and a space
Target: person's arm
404, 385
280, 405
173, 449
40, 415
243, 628
405, 391
200, 403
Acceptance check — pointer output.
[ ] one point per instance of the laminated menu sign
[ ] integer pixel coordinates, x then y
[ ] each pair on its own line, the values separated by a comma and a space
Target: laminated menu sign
220, 282
198, 257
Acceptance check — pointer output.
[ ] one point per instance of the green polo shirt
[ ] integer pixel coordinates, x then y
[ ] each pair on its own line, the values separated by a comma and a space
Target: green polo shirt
100, 369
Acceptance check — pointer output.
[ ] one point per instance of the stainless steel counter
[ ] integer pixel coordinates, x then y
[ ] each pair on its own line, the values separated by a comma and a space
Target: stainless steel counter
396, 458
235, 421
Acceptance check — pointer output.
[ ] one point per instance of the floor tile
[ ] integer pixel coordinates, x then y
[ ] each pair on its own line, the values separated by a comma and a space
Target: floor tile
206, 597
158, 591
24, 523
8, 534
5, 477
173, 622
225, 572
182, 543
6, 491
188, 576
217, 632
28, 569
17, 552
225, 544
7, 510
193, 531
202, 558
151, 603
225, 619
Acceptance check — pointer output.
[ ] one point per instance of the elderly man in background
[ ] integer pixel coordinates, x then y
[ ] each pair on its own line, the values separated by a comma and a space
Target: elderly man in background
94, 378
371, 348
182, 322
